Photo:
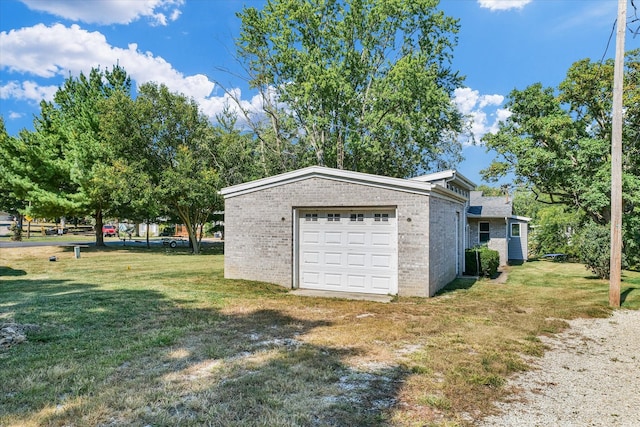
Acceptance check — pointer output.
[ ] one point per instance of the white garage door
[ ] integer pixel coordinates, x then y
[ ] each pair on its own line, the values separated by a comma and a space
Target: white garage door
348, 251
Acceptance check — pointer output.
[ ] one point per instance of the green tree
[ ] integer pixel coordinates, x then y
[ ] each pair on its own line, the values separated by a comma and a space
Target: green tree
553, 226
554, 231
236, 154
11, 200
558, 143
357, 84
59, 168
180, 143
489, 191
132, 173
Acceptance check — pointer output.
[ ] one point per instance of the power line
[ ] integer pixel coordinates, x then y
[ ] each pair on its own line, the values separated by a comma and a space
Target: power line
634, 19
606, 49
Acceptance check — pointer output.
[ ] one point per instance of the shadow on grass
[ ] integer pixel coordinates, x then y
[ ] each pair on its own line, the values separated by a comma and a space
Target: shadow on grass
136, 357
461, 283
10, 272
207, 248
627, 292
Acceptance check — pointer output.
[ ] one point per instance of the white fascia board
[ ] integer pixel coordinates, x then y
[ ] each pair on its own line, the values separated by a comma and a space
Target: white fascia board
329, 173
436, 176
448, 175
486, 216
516, 217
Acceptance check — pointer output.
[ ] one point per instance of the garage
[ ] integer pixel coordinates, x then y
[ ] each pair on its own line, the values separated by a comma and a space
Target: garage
335, 231
352, 250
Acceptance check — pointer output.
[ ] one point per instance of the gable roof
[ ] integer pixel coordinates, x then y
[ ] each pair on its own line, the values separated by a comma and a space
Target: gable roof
397, 184
491, 207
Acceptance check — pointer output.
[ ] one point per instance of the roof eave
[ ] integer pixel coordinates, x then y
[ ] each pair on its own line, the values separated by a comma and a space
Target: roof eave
328, 173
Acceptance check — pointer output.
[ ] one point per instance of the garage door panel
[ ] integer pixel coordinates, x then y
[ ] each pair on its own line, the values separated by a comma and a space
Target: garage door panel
380, 283
310, 257
381, 261
381, 239
333, 258
354, 251
332, 238
309, 237
356, 281
356, 260
311, 278
356, 238
332, 279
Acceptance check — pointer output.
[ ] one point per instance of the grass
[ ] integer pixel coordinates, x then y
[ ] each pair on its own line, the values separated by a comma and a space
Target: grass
128, 336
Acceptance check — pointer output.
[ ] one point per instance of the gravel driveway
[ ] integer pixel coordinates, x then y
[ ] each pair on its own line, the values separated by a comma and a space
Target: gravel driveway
590, 376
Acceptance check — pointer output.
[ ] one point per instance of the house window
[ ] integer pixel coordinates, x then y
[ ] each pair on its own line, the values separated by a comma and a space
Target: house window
357, 217
310, 217
381, 217
484, 232
515, 230
333, 217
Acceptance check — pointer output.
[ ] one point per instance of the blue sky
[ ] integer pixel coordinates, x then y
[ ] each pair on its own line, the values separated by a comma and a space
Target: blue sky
502, 45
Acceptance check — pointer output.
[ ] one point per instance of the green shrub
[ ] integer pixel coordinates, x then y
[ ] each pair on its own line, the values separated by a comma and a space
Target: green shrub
594, 249
488, 259
552, 233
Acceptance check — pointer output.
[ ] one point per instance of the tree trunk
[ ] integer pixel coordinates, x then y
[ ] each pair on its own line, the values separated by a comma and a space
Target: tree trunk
147, 233
191, 229
99, 236
193, 239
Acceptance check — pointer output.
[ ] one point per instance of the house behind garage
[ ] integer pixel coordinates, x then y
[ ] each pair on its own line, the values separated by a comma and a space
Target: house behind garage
491, 222
328, 229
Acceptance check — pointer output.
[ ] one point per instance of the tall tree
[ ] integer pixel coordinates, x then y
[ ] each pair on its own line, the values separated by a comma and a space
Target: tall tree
558, 142
11, 159
180, 143
59, 168
131, 174
368, 83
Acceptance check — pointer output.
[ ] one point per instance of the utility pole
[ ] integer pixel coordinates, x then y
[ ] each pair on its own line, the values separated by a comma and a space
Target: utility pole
615, 265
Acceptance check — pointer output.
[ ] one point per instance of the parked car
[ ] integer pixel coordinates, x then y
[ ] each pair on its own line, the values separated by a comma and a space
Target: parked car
109, 230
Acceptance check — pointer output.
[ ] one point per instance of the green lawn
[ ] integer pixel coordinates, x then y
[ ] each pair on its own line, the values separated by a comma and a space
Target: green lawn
127, 336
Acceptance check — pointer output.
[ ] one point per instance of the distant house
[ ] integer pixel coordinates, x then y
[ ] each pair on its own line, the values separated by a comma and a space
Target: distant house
491, 222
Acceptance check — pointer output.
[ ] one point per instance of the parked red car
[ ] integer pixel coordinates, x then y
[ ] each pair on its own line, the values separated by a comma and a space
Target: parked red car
109, 231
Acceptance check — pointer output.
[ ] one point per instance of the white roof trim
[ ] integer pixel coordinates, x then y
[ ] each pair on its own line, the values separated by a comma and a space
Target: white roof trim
449, 175
397, 184
516, 217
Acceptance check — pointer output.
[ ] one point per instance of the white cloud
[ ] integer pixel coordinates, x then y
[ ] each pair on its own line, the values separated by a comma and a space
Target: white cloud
503, 4
51, 54
27, 91
480, 110
13, 115
58, 50
109, 11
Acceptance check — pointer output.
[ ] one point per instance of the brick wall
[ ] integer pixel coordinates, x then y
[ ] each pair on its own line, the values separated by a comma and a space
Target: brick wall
444, 253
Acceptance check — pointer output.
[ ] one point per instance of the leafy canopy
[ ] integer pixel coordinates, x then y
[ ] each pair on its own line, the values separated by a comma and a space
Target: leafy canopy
558, 143
366, 84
